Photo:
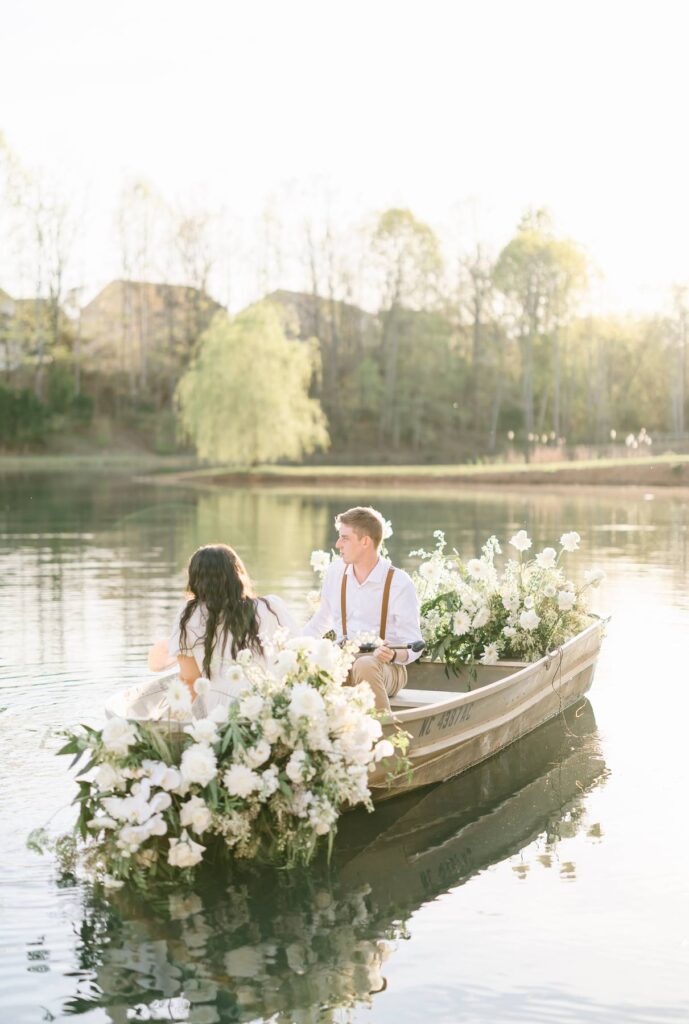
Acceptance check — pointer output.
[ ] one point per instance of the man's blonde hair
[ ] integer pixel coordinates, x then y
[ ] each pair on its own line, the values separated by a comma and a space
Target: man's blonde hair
364, 521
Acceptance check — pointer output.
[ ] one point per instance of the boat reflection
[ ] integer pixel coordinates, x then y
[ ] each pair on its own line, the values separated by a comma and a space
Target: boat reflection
301, 946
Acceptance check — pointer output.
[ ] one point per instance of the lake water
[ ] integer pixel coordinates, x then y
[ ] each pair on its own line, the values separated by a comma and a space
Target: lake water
549, 885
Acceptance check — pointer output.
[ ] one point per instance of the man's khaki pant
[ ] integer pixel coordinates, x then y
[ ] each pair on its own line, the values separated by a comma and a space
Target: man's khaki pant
384, 679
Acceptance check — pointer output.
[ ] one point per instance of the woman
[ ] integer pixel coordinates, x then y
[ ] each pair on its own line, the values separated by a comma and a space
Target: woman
221, 617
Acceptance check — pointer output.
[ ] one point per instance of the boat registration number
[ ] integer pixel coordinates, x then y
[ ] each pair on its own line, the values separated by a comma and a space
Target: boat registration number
437, 723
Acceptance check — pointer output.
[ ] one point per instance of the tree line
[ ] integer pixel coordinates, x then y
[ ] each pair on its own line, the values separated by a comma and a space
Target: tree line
368, 341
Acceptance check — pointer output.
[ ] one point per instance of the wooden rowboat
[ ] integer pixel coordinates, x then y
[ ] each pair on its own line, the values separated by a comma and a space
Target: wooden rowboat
458, 721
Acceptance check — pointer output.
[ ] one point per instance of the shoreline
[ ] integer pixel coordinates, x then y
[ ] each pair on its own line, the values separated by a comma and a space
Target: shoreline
664, 471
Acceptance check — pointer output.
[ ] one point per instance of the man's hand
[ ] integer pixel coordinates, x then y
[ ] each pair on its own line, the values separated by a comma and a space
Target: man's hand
384, 653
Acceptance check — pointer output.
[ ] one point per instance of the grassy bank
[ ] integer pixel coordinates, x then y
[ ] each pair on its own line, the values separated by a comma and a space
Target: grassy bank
97, 462
661, 471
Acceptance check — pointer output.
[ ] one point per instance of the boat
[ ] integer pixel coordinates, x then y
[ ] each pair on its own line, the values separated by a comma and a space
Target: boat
455, 721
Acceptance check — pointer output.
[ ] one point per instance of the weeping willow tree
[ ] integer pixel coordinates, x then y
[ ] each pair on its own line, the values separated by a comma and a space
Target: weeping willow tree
245, 397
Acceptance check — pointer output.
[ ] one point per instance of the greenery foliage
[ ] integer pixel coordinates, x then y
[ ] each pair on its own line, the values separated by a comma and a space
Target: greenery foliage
245, 397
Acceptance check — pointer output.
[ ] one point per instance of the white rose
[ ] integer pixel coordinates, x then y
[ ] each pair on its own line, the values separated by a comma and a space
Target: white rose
118, 735
295, 768
570, 541
251, 706
184, 852
270, 781
195, 814
546, 558
241, 781
285, 663
305, 701
258, 754
521, 541
529, 619
565, 600
509, 632
203, 730
592, 577
199, 764
272, 730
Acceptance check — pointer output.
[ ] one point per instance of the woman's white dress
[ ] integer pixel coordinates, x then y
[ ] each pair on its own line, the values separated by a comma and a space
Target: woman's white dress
147, 701
226, 677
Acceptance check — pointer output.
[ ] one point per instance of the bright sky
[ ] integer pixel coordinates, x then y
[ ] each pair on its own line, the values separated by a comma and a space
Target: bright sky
444, 106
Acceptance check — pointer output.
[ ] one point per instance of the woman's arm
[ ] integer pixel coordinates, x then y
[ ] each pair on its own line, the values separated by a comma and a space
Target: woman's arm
188, 671
159, 657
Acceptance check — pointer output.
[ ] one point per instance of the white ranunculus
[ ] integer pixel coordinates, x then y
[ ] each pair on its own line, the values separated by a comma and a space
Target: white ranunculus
529, 601
203, 730
199, 764
306, 702
383, 748
490, 654
320, 560
195, 814
241, 781
521, 541
549, 590
285, 663
592, 577
570, 541
244, 657
107, 778
251, 706
529, 619
184, 852
481, 618
566, 600
546, 558
258, 754
119, 735
202, 686
179, 698
461, 623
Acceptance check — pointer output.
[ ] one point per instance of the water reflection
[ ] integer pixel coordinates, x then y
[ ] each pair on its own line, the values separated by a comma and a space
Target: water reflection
303, 946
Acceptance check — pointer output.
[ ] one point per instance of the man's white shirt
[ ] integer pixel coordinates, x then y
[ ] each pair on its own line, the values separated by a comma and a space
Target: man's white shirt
364, 605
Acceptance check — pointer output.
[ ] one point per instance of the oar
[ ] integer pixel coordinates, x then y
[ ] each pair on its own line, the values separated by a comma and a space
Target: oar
416, 646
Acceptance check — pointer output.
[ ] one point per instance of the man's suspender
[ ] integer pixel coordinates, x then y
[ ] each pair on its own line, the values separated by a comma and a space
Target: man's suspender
384, 606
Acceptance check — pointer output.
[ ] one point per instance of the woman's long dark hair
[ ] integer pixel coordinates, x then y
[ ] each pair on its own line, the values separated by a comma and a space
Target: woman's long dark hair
219, 582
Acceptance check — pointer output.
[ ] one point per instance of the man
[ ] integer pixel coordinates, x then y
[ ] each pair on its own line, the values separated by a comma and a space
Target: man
363, 593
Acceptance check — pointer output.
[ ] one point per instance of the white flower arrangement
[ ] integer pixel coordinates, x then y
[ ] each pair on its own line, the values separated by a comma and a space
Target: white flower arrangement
266, 778
473, 612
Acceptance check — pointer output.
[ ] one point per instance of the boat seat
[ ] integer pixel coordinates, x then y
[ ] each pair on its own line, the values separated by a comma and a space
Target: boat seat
408, 698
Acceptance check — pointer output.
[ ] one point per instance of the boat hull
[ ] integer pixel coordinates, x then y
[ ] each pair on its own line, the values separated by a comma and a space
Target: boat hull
489, 710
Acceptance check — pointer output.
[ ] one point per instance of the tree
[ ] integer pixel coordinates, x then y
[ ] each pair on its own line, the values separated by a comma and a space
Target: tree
245, 397
542, 276
408, 256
